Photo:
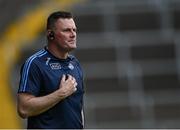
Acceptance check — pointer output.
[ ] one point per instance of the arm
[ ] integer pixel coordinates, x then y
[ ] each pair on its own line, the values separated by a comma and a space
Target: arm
29, 105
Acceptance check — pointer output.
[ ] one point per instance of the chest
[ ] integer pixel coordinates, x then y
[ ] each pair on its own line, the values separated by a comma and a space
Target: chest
53, 72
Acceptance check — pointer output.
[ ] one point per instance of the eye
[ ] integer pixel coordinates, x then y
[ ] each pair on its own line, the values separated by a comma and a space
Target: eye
75, 30
67, 30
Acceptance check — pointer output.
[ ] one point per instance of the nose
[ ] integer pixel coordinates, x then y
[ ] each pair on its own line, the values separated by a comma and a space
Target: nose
73, 33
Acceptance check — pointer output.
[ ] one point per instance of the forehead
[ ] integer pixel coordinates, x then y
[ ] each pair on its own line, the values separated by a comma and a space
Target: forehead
65, 23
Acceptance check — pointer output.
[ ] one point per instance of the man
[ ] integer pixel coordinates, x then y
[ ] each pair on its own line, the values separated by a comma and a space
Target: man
51, 89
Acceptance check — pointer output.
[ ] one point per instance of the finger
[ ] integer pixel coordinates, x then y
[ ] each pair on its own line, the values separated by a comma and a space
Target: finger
73, 80
75, 89
69, 76
75, 84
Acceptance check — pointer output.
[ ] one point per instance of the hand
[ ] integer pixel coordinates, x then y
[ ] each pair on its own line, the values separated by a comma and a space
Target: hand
67, 86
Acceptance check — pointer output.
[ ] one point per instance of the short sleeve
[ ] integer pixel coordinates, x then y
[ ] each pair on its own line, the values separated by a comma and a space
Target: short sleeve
30, 79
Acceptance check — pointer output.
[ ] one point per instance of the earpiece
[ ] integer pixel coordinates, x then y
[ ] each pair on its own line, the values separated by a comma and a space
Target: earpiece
51, 35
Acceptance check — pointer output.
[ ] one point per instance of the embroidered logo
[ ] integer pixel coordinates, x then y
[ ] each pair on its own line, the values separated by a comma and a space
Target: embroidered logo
55, 66
70, 66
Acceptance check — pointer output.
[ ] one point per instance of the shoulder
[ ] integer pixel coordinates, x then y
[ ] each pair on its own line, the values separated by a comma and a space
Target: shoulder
75, 61
34, 59
73, 58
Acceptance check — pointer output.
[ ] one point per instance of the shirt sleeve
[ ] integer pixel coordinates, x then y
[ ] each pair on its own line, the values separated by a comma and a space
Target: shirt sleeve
30, 80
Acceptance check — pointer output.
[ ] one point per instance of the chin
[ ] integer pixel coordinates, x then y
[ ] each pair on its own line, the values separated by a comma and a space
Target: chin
71, 49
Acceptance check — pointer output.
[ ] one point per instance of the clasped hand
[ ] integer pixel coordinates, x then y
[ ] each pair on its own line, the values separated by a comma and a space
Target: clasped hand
68, 86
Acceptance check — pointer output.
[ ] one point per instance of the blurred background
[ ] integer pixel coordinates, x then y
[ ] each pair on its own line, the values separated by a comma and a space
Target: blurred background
129, 50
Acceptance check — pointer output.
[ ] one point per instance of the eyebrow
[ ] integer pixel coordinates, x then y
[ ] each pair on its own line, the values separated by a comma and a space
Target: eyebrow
65, 29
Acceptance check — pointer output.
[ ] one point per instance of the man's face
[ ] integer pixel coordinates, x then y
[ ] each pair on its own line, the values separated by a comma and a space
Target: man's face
65, 34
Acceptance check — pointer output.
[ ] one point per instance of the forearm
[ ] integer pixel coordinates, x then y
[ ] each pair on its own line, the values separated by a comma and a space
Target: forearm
29, 105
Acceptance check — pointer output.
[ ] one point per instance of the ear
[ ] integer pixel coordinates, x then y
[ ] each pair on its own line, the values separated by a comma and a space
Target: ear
50, 34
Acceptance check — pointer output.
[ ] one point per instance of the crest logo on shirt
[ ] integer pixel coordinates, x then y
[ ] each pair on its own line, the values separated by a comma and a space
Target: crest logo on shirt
70, 66
55, 66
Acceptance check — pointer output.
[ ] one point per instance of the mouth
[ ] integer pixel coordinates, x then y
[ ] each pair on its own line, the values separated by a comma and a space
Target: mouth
72, 41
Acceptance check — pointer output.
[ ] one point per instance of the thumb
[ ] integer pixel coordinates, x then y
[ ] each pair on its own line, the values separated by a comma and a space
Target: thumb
63, 78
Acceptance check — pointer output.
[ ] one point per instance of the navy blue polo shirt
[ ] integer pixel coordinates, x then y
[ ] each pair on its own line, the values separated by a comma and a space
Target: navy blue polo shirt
41, 75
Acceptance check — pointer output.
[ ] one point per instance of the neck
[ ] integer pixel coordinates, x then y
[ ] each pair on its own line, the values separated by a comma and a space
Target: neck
57, 52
